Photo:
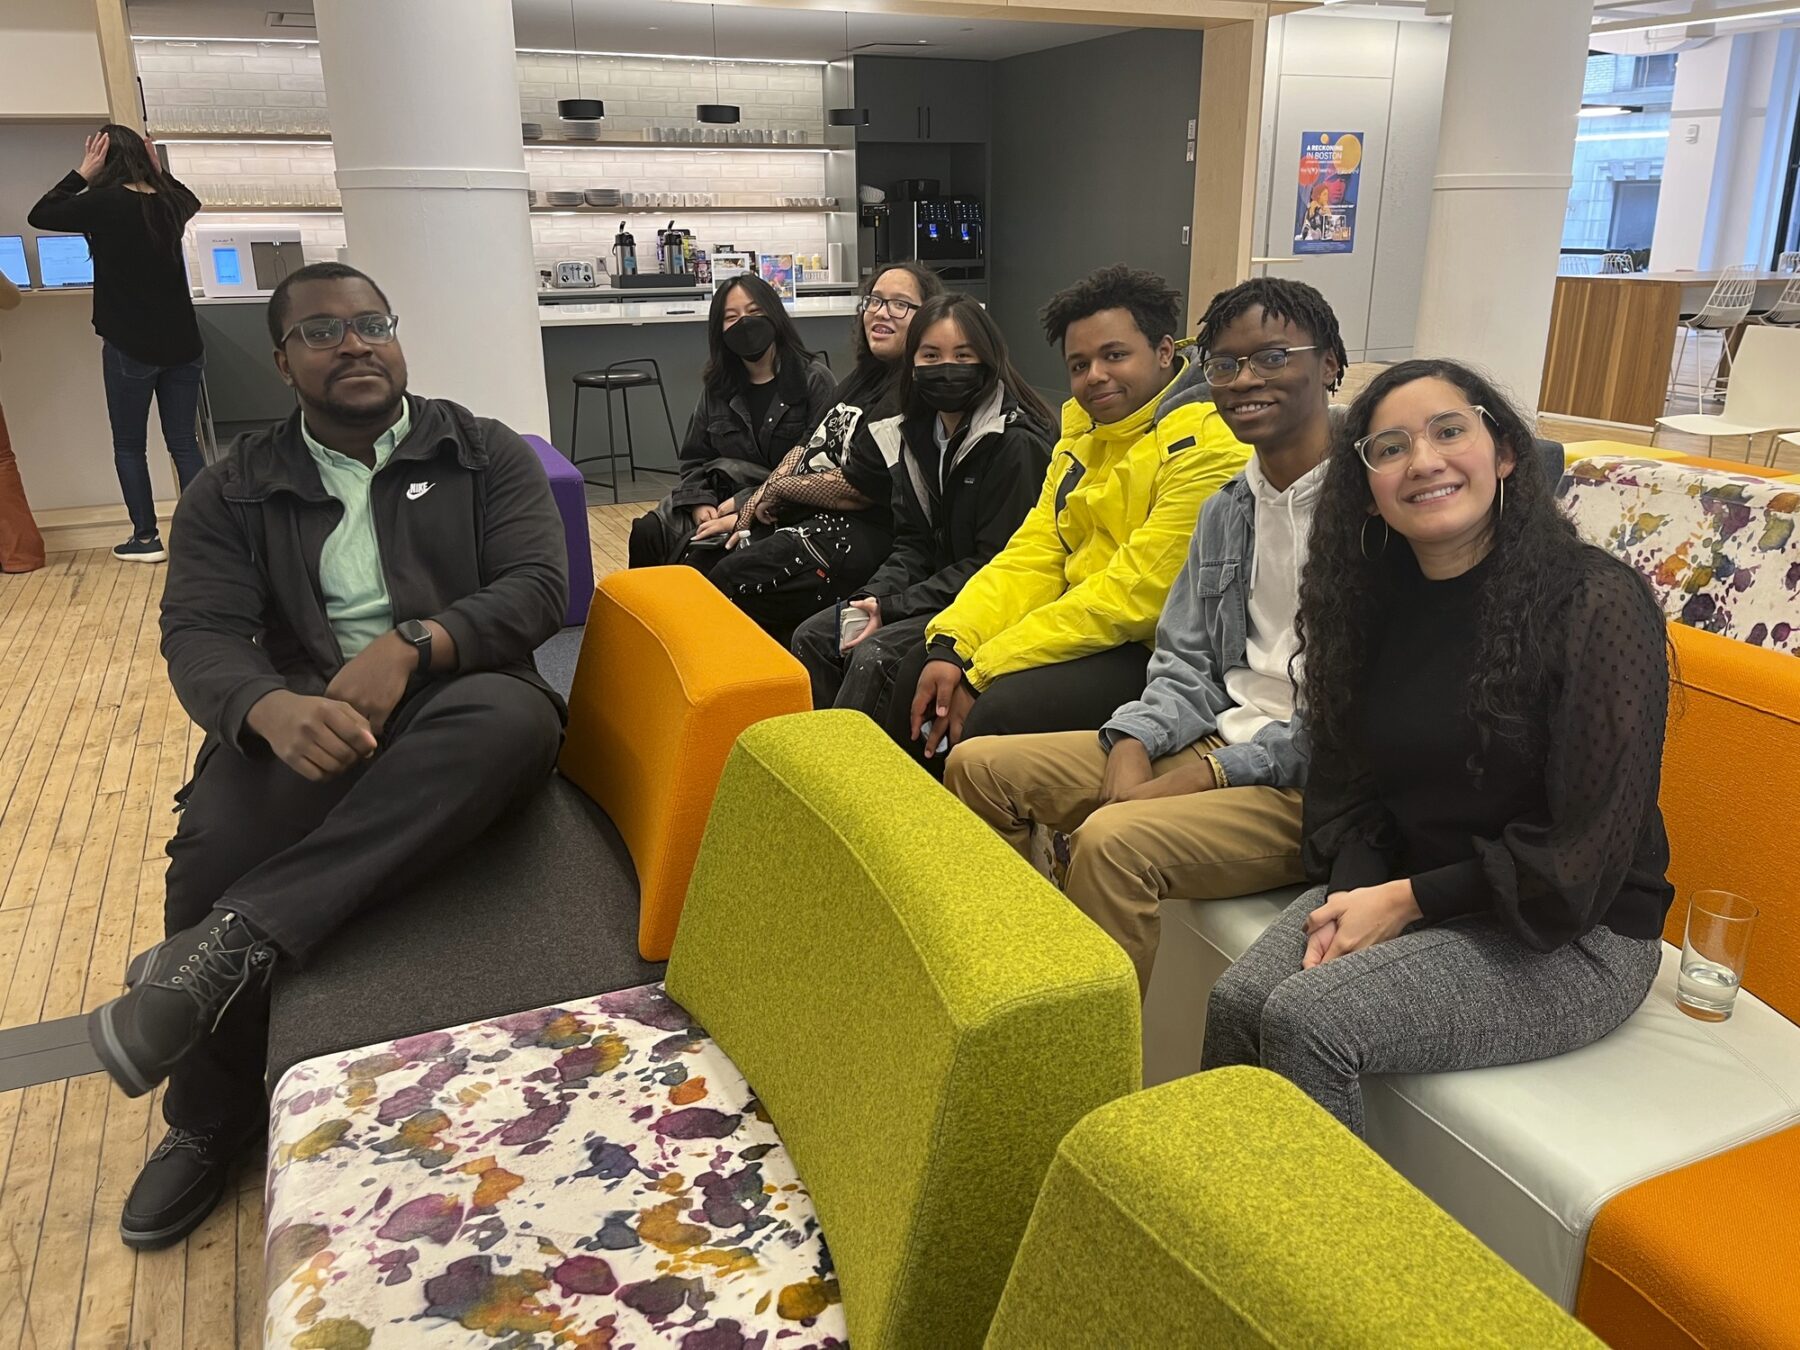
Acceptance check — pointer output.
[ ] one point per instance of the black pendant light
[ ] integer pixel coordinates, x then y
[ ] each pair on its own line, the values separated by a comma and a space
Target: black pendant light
851, 116
718, 114
578, 109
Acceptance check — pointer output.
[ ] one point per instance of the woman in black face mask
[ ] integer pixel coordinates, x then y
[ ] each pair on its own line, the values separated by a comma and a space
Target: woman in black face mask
762, 394
970, 448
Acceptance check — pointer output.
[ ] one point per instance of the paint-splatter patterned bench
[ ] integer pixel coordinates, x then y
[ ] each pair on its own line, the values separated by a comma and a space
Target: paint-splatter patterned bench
1721, 550
595, 1174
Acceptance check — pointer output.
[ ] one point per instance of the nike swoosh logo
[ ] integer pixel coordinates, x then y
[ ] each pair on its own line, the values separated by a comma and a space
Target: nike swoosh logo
415, 491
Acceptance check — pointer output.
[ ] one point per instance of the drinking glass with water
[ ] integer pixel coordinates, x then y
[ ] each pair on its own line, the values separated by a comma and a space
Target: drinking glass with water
1713, 953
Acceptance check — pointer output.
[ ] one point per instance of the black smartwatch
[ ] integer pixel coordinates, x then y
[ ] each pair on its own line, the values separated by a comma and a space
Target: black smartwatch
420, 637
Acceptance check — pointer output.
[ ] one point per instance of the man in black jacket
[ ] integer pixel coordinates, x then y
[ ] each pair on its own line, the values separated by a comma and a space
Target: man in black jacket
352, 603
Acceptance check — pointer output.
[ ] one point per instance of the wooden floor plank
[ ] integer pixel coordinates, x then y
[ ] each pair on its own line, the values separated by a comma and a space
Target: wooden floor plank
209, 1306
250, 1258
59, 1275
109, 1284
22, 1199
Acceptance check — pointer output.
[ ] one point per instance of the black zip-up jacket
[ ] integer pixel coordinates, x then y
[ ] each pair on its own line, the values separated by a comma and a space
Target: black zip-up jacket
722, 451
480, 550
998, 459
141, 302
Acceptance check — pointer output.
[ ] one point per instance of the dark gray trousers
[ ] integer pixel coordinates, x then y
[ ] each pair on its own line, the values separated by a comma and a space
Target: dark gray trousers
861, 677
297, 859
1460, 995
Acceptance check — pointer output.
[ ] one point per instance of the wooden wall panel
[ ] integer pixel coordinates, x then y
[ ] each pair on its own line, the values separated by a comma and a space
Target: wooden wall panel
1610, 345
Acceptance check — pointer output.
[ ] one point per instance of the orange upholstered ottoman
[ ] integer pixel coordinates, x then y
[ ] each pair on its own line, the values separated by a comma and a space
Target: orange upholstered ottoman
670, 672
1701, 1256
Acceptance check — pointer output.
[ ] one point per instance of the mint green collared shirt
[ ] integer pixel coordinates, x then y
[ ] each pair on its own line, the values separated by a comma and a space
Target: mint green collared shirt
356, 595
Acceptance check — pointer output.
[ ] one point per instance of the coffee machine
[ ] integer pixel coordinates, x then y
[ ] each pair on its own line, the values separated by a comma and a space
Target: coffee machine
945, 231
918, 223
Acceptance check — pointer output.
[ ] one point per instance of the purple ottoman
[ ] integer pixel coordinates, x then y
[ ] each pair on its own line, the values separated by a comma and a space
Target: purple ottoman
571, 504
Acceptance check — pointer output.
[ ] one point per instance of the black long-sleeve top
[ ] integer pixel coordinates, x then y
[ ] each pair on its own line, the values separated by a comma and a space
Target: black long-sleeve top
1552, 840
141, 300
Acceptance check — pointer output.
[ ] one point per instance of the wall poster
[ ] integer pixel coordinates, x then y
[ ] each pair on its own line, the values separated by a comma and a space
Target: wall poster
1325, 201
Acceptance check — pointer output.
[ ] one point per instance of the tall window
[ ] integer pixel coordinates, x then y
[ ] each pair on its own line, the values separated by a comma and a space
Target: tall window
1787, 232
1619, 159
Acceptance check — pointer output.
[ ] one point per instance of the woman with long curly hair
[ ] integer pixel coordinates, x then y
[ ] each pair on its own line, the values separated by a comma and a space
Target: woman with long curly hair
1485, 698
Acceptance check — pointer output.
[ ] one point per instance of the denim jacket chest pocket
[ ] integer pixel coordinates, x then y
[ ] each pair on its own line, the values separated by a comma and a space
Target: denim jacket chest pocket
1221, 586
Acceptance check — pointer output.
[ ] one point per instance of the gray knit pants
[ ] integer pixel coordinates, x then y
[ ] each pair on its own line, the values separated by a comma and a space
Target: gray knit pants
1459, 995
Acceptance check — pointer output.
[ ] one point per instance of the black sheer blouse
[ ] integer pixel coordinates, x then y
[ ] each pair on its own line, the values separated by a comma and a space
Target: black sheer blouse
1552, 839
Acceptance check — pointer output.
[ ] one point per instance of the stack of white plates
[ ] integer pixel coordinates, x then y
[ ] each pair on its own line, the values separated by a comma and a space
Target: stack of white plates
563, 198
534, 131
602, 196
580, 131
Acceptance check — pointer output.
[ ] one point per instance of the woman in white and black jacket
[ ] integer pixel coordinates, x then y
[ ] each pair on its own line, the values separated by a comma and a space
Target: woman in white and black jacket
819, 525
761, 394
969, 449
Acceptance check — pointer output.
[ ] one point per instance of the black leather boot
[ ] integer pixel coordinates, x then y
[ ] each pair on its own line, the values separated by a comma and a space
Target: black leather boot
182, 1183
180, 989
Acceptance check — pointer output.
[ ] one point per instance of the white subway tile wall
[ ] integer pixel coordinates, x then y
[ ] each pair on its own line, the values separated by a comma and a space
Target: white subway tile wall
641, 93
246, 88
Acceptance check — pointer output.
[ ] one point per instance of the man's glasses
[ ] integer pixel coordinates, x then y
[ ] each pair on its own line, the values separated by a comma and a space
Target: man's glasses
1222, 370
896, 306
325, 331
1448, 433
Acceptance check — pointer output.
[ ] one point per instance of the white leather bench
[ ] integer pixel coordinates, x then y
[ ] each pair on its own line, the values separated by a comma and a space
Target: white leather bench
1524, 1155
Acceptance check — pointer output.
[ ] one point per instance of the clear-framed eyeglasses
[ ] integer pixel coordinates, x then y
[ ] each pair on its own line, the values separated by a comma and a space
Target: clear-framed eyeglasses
1451, 432
1222, 370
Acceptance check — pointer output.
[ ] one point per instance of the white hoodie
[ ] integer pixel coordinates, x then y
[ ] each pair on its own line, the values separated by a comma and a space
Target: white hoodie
1261, 689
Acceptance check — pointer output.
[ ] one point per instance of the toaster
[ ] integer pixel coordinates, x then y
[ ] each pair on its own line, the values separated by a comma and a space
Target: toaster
576, 273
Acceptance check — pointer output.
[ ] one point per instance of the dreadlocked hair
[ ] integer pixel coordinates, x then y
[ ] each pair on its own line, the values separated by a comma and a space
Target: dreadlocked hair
1294, 301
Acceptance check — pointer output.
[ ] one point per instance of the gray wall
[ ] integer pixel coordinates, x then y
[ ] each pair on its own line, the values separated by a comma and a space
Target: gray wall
1089, 168
1384, 78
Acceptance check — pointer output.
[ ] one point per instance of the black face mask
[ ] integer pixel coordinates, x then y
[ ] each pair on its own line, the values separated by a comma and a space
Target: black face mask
951, 387
749, 337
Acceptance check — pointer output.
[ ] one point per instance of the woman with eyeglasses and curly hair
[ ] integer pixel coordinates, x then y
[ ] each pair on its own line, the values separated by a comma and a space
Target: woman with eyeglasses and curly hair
819, 525
1485, 697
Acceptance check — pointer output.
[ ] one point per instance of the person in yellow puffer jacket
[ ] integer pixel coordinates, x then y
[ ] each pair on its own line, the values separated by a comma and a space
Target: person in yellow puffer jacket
1054, 633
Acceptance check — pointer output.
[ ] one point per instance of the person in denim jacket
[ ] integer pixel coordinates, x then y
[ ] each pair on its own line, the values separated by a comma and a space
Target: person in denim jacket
1193, 789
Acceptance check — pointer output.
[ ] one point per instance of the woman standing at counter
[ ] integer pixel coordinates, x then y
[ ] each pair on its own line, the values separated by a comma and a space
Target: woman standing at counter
762, 394
820, 525
21, 546
133, 214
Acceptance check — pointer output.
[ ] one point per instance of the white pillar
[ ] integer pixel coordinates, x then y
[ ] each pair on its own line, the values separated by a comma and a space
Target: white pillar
1506, 147
424, 104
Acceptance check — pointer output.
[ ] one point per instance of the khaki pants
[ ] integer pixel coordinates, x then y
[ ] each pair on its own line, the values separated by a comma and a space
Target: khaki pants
1125, 857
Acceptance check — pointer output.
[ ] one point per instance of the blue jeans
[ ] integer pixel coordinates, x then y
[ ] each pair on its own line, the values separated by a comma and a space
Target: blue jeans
129, 386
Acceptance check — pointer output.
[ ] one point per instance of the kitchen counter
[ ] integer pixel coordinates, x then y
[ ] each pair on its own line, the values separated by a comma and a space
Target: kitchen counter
634, 312
578, 294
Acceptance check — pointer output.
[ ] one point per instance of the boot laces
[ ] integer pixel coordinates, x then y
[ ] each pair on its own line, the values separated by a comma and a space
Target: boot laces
214, 972
177, 1139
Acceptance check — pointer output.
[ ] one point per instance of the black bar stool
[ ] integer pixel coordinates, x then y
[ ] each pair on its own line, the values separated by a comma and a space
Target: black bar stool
623, 376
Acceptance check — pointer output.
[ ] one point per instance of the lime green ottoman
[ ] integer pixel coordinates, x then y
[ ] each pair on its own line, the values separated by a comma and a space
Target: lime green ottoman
1227, 1209
921, 1014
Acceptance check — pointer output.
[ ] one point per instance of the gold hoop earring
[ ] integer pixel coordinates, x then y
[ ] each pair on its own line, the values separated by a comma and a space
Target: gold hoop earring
1362, 536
